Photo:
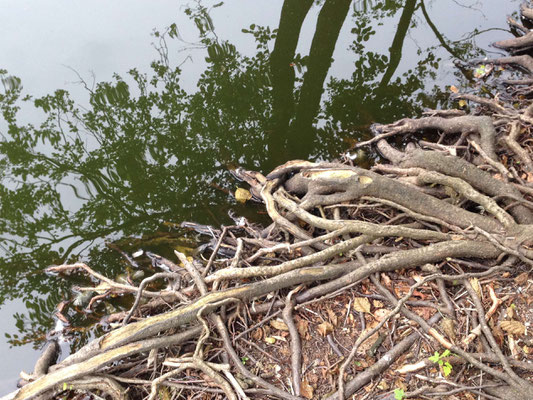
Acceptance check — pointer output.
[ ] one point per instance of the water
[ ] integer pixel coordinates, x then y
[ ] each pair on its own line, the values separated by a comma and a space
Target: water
161, 116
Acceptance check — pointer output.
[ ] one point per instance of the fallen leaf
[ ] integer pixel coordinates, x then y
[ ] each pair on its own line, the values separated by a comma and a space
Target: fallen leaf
380, 314
522, 278
242, 195
482, 71
279, 325
361, 304
448, 326
514, 327
324, 328
475, 285
365, 180
332, 317
306, 390
303, 327
454, 89
257, 334
270, 340
377, 304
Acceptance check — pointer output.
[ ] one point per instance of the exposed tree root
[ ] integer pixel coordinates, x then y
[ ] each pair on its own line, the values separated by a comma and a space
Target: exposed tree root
362, 262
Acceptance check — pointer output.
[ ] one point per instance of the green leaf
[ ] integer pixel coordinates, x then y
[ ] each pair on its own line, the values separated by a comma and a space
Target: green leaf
435, 357
399, 394
447, 368
445, 353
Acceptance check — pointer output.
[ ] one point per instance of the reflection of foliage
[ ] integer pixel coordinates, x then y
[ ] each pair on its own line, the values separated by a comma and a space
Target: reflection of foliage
144, 150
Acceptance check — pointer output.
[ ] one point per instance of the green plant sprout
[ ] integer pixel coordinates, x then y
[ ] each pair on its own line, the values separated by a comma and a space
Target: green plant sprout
445, 365
399, 394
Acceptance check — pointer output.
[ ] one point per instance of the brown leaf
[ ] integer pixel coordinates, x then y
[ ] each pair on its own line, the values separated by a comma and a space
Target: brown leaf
257, 334
361, 304
332, 317
324, 328
306, 390
279, 325
454, 89
303, 327
522, 278
514, 327
448, 326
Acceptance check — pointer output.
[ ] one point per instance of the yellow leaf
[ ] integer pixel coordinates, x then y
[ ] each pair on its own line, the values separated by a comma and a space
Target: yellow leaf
462, 103
365, 180
377, 303
361, 304
242, 195
270, 340
279, 325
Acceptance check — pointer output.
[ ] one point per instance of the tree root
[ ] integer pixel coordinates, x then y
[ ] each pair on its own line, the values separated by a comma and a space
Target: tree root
345, 242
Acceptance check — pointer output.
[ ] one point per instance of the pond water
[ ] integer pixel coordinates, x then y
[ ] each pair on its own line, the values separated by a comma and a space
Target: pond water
121, 118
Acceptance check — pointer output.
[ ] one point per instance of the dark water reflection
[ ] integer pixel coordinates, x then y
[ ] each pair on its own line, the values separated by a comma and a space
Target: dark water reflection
155, 145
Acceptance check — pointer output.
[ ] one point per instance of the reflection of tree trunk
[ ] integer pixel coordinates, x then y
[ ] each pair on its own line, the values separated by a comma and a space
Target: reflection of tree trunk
329, 24
438, 35
292, 17
397, 43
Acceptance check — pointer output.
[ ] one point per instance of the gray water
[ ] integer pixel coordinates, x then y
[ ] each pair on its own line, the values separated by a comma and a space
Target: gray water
250, 98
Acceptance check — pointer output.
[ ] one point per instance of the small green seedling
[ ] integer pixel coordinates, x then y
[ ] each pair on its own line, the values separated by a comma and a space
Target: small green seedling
244, 360
399, 394
438, 359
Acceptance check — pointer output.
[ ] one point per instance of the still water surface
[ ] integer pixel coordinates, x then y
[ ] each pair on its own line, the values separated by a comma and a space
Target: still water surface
127, 115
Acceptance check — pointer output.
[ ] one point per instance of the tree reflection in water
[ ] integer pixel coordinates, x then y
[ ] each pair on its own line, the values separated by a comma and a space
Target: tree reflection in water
145, 151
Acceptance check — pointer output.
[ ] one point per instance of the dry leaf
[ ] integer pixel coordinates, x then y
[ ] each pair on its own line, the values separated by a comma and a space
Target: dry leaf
475, 285
332, 317
242, 195
386, 280
454, 89
324, 328
279, 325
365, 180
377, 303
522, 278
257, 334
361, 304
380, 314
306, 390
514, 327
448, 326
303, 327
